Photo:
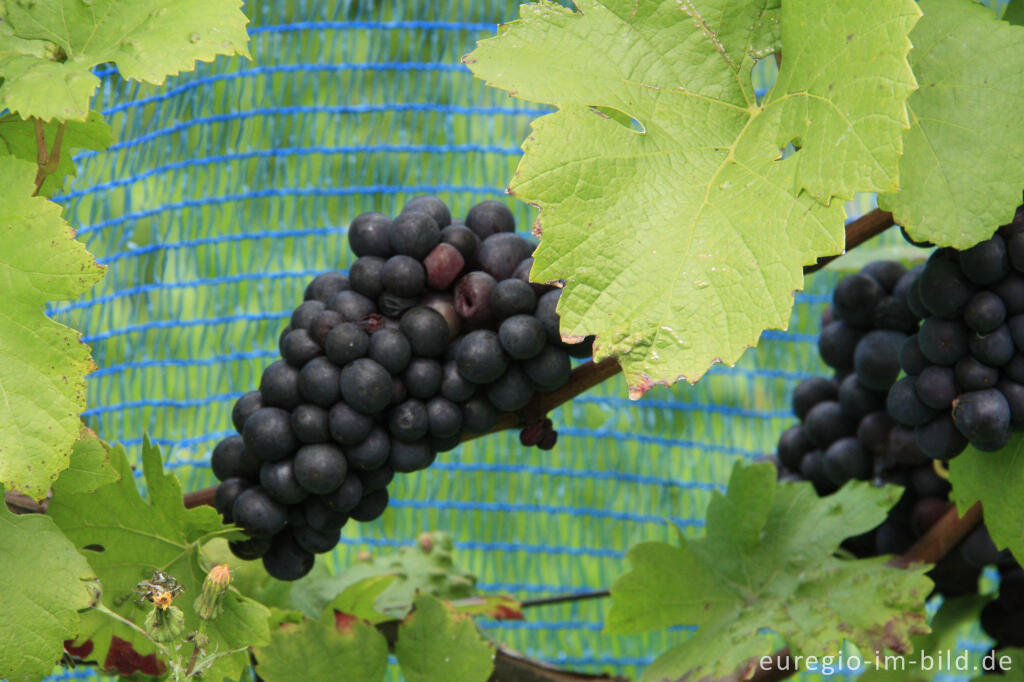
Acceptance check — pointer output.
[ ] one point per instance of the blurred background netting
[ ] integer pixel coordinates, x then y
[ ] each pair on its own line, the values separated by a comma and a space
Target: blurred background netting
229, 188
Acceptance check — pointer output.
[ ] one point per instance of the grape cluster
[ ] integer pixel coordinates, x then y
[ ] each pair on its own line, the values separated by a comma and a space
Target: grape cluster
846, 430
433, 333
964, 369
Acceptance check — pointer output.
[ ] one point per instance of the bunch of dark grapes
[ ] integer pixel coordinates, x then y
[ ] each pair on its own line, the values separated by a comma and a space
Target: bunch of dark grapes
964, 369
846, 430
434, 332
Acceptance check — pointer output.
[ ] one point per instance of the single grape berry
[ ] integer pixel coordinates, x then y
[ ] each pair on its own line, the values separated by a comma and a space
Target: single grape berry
257, 514
888, 273
876, 359
912, 360
857, 400
986, 262
444, 418
793, 445
303, 316
298, 346
422, 378
345, 496
390, 349
985, 312
268, 434
322, 324
403, 276
810, 392
443, 265
512, 391
905, 406
972, 375
226, 493
376, 479
432, 206
837, 344
368, 235
463, 239
316, 541
944, 289
230, 459
320, 468
855, 299
310, 424
250, 549
426, 330
1014, 394
501, 253
366, 386
846, 459
549, 370
480, 357
244, 407
522, 336
473, 297
490, 217
346, 425
893, 313
326, 286
478, 416
371, 452
371, 506
942, 341
365, 276
936, 387
873, 431
994, 349
279, 481
279, 386
407, 457
318, 382
1010, 291
408, 422
414, 234
939, 438
286, 559
983, 417
827, 423
352, 306
320, 516
512, 297
454, 386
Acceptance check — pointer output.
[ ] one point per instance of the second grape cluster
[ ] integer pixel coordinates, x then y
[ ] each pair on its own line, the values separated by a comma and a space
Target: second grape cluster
433, 333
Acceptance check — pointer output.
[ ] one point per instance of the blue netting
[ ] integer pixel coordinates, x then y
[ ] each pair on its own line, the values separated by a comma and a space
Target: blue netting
229, 188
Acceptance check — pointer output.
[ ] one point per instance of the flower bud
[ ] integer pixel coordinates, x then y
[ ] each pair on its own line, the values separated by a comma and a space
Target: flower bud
165, 625
210, 602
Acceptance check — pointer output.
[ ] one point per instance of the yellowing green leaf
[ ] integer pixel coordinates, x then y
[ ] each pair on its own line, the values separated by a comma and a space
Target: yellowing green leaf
436, 644
996, 479
961, 173
42, 363
47, 47
89, 467
126, 538
319, 652
680, 244
44, 582
17, 138
767, 563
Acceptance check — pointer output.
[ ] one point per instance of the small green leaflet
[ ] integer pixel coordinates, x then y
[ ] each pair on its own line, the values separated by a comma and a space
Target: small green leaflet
17, 138
996, 479
88, 469
354, 652
436, 644
42, 363
125, 538
680, 244
961, 173
47, 47
44, 582
767, 562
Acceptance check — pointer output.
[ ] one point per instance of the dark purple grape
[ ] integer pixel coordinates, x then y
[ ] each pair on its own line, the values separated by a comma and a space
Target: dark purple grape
944, 289
403, 276
983, 417
550, 370
414, 234
478, 416
972, 375
422, 378
279, 386
812, 391
855, 299
846, 459
347, 426
326, 286
936, 387
346, 496
793, 445
244, 407
926, 513
522, 336
942, 341
939, 438
371, 452
318, 382
376, 479
431, 206
390, 349
912, 360
873, 431
286, 559
893, 313
250, 549
1011, 291
303, 316
876, 359
371, 506
905, 406
322, 324
1014, 394
408, 422
426, 330
366, 386
512, 391
463, 239
230, 459
279, 482
857, 400
837, 344
298, 347
268, 434
903, 450
320, 516
310, 424
369, 235
454, 386
985, 312
316, 541
490, 217
512, 297
986, 262
888, 273
320, 468
501, 253
547, 313
444, 418
407, 457
257, 514
994, 349
827, 422
352, 306
226, 493
366, 276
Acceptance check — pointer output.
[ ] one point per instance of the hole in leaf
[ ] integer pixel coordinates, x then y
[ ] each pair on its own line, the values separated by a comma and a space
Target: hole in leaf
96, 548
620, 117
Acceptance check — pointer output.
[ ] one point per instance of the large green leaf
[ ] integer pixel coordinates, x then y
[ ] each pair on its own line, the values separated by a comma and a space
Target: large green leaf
961, 173
126, 538
996, 479
681, 243
767, 563
1014, 12
317, 651
17, 138
42, 363
44, 582
436, 644
47, 47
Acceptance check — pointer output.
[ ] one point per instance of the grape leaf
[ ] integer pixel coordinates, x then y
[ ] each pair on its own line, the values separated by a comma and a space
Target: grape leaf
766, 562
1014, 13
44, 582
960, 174
681, 243
47, 47
88, 469
323, 653
996, 479
125, 538
42, 363
17, 138
435, 643
358, 599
